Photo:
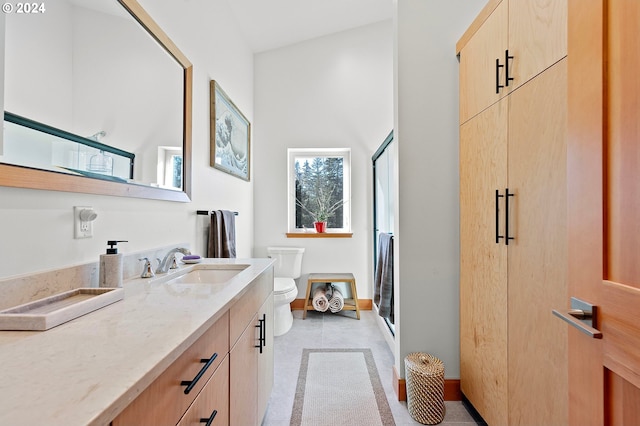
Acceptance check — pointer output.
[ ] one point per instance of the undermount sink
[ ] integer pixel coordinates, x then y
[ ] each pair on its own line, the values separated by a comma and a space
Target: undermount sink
210, 274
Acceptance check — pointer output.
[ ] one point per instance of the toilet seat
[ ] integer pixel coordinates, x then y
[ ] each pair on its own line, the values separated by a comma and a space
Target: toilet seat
283, 285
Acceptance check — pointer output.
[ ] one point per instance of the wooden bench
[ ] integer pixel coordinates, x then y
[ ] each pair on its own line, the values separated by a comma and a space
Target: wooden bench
350, 304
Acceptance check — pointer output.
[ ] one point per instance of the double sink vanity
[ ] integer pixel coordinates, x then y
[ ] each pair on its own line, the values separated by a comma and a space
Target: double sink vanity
193, 346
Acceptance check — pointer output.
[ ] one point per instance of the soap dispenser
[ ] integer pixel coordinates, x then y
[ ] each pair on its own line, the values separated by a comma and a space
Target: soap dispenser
111, 268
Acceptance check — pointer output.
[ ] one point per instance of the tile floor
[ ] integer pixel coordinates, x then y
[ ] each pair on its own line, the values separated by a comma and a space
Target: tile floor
327, 330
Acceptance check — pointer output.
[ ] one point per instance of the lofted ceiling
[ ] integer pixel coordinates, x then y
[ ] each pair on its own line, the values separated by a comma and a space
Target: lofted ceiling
269, 24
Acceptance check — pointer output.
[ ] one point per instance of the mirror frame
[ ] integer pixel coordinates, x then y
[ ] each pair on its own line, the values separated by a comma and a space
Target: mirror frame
24, 177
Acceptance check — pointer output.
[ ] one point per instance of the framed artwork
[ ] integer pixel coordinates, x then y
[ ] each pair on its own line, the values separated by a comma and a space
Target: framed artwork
230, 135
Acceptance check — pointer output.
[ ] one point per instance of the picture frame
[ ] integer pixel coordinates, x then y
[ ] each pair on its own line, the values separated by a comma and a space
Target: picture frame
230, 132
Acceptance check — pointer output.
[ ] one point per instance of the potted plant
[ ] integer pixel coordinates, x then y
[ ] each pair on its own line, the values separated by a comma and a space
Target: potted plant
321, 208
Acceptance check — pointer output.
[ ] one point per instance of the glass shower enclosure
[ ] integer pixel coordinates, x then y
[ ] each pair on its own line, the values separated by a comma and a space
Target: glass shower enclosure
384, 198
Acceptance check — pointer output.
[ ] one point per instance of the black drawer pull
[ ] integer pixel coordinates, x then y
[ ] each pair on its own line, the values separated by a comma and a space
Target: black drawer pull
191, 383
210, 419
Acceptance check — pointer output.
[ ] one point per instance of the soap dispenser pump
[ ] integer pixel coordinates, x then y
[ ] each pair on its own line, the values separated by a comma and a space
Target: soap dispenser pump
111, 266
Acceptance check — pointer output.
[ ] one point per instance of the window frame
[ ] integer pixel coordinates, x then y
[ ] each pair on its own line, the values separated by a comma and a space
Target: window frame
345, 154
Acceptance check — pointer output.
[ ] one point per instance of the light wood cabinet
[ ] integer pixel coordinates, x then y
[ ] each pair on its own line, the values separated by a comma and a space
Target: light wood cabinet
483, 263
265, 359
481, 80
512, 352
244, 369
537, 37
251, 356
537, 257
509, 43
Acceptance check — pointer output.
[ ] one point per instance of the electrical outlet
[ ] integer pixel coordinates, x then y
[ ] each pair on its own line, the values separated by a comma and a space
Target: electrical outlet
83, 218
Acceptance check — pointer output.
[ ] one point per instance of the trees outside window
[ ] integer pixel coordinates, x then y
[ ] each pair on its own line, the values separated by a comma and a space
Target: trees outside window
319, 188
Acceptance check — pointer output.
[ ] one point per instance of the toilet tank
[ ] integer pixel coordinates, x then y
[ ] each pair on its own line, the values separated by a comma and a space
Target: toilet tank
288, 261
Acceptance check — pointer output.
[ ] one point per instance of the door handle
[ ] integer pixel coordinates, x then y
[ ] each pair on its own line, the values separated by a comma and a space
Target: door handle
581, 316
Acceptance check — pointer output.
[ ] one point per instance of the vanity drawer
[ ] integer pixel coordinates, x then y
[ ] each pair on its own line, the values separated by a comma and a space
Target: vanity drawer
214, 396
165, 401
244, 309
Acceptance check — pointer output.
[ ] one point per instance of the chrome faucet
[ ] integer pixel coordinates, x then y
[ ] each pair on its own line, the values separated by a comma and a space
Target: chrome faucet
147, 270
169, 261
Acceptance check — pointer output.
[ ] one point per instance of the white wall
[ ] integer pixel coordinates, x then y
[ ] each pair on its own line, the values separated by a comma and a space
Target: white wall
119, 73
426, 131
333, 91
36, 39
36, 227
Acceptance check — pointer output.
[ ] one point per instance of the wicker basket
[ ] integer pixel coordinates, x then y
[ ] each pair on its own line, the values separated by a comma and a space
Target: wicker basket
425, 387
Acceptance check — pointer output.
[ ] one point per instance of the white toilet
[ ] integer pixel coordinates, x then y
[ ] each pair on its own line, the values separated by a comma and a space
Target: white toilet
286, 269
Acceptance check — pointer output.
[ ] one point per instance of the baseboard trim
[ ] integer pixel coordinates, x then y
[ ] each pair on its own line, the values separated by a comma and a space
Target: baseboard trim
399, 386
363, 304
452, 390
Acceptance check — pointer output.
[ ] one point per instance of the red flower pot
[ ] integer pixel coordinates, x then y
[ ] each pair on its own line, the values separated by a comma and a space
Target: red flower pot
320, 226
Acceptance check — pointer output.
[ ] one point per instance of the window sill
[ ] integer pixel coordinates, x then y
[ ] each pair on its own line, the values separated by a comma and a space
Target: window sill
319, 234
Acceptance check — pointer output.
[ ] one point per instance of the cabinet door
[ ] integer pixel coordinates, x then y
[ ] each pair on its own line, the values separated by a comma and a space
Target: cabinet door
483, 263
242, 312
537, 37
265, 359
478, 64
537, 256
243, 367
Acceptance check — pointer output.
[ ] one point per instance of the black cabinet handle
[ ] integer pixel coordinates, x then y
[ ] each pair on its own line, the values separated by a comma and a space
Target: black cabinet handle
498, 66
191, 383
506, 67
260, 339
506, 223
264, 330
498, 236
210, 419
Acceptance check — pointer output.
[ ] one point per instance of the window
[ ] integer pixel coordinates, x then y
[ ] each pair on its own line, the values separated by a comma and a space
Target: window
169, 167
319, 188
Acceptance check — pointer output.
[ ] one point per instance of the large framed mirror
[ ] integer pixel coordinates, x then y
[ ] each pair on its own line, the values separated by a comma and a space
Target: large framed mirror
97, 100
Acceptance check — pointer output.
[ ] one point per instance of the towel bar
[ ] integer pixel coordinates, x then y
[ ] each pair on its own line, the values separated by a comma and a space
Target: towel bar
208, 212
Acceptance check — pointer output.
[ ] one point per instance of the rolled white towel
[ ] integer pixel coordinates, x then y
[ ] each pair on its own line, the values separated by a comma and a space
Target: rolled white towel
320, 302
336, 303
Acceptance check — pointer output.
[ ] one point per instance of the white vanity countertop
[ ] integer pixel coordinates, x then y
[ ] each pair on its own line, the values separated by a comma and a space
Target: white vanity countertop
86, 371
